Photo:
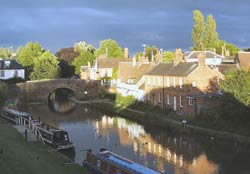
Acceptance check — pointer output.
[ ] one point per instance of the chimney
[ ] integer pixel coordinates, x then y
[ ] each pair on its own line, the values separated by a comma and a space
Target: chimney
89, 65
126, 53
134, 61
202, 58
223, 50
178, 56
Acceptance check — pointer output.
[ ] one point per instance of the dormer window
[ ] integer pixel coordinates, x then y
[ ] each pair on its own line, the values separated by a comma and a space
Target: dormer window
6, 64
194, 84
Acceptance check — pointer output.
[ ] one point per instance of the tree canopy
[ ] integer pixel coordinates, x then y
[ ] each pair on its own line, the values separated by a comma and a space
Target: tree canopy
168, 57
6, 53
45, 67
81, 60
210, 35
28, 53
198, 29
83, 46
110, 49
151, 51
237, 84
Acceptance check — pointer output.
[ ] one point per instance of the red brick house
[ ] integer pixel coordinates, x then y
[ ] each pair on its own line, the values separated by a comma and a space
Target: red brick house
185, 87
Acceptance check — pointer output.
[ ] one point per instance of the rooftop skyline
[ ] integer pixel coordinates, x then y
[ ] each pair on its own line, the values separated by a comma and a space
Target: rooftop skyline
165, 24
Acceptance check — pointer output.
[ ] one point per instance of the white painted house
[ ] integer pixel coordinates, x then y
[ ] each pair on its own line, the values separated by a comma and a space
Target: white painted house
211, 58
10, 69
131, 79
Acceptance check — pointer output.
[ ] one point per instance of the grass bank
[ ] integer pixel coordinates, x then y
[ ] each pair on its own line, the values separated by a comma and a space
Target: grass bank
16, 157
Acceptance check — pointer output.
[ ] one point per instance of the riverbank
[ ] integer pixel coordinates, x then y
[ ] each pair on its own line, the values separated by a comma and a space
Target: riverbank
17, 157
165, 121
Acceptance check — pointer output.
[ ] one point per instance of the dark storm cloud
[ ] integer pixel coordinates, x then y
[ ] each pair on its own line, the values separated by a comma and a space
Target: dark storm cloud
166, 24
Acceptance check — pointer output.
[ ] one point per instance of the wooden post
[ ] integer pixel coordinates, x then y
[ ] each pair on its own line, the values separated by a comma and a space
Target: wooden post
26, 136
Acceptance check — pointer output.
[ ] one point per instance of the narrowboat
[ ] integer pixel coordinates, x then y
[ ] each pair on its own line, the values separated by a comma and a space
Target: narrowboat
57, 138
106, 162
13, 115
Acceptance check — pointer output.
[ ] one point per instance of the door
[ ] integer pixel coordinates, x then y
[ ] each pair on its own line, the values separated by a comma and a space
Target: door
174, 103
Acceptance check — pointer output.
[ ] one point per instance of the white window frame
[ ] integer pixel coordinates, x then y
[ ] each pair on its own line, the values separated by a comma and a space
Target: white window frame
153, 81
149, 81
159, 97
168, 99
174, 82
168, 82
98, 163
194, 84
181, 104
2, 73
159, 81
181, 83
190, 101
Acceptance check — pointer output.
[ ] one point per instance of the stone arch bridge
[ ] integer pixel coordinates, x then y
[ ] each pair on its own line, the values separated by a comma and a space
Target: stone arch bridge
39, 91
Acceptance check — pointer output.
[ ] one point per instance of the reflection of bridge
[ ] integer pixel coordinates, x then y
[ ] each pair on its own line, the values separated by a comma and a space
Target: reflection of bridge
39, 91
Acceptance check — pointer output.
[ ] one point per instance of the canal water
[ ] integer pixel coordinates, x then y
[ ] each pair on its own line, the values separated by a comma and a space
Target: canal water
158, 149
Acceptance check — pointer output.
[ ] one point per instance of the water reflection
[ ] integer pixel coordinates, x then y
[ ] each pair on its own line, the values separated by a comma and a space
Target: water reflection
158, 149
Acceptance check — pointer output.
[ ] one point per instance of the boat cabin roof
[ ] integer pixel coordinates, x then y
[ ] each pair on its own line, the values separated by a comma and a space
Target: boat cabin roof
18, 113
126, 164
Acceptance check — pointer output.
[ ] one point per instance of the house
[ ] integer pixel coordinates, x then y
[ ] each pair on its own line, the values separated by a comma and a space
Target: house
131, 79
185, 87
103, 69
243, 59
211, 58
10, 69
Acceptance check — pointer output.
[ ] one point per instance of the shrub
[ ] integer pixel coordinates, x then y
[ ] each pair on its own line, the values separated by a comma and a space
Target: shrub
124, 101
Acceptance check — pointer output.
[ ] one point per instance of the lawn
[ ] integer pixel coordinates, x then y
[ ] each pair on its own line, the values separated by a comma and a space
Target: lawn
16, 157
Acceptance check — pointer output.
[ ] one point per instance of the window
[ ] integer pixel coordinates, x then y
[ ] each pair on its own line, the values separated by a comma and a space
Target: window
194, 84
148, 96
174, 83
159, 97
159, 81
181, 101
190, 101
168, 99
98, 163
168, 82
181, 83
148, 81
2, 74
153, 81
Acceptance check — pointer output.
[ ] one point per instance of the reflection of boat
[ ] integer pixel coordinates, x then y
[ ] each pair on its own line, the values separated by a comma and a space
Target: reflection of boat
106, 162
55, 137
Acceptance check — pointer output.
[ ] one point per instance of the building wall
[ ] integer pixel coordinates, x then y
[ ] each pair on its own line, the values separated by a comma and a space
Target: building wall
6, 74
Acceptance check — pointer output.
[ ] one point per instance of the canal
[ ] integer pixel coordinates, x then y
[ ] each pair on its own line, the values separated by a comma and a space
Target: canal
158, 149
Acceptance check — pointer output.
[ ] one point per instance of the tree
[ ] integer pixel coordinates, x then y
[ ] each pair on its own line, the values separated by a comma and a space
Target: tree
67, 54
27, 54
151, 51
81, 60
233, 49
210, 35
3, 90
198, 29
168, 57
45, 67
138, 55
237, 85
6, 53
110, 48
83, 46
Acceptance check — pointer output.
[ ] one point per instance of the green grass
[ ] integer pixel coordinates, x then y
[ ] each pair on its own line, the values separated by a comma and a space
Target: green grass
31, 158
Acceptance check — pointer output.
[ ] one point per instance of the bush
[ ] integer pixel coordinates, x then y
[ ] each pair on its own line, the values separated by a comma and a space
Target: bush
124, 101
14, 80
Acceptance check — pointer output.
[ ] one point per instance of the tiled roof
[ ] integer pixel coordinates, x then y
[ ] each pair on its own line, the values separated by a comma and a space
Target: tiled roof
182, 69
111, 63
224, 68
244, 59
128, 71
9, 64
194, 54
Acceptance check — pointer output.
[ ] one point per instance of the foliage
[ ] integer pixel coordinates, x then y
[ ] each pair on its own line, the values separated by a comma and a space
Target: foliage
3, 90
115, 73
150, 52
83, 47
81, 60
67, 71
67, 54
168, 57
198, 29
210, 35
27, 54
14, 80
45, 67
233, 49
6, 53
111, 48
138, 55
124, 101
237, 84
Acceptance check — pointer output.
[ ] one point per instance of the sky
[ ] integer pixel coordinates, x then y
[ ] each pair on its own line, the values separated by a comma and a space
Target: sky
166, 24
